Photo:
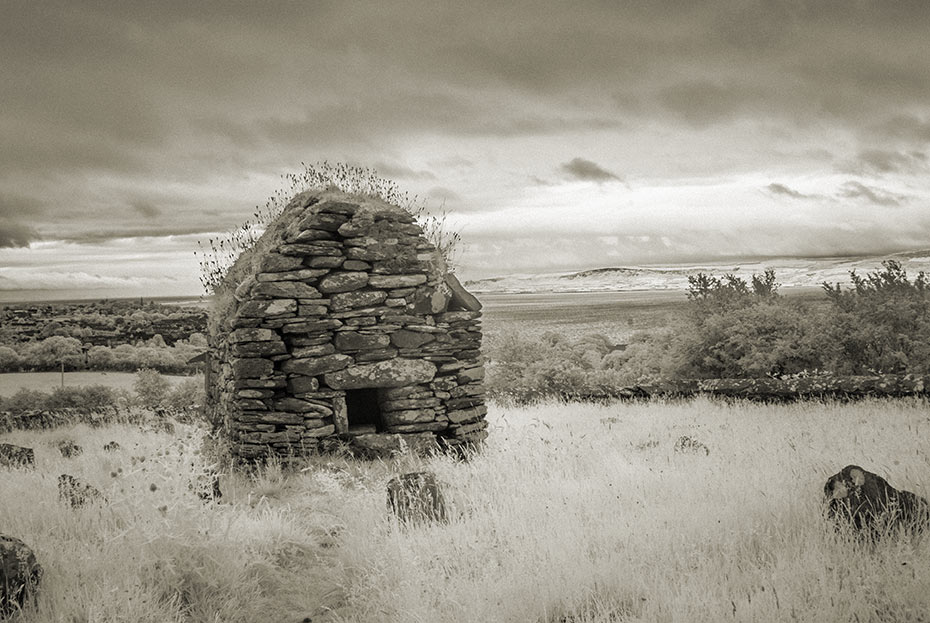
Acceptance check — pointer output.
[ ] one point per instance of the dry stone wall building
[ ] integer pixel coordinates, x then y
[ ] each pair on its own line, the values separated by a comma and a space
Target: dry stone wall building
344, 324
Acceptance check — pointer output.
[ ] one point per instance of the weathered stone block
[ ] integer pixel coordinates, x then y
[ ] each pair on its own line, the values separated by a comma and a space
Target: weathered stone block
340, 414
275, 262
462, 299
325, 261
471, 375
311, 326
355, 265
373, 252
295, 405
396, 281
401, 404
391, 373
285, 290
343, 281
348, 300
303, 352
353, 340
323, 221
306, 274
380, 354
252, 335
266, 309
309, 235
252, 368
304, 310
445, 383
258, 349
410, 339
408, 416
316, 365
467, 415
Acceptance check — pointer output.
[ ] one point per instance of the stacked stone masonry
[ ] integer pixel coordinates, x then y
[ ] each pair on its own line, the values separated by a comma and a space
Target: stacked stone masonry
343, 322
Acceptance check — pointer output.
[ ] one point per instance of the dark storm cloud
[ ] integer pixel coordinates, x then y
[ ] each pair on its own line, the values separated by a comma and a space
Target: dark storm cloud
702, 103
881, 161
13, 234
585, 170
15, 206
780, 189
907, 128
146, 209
160, 231
876, 196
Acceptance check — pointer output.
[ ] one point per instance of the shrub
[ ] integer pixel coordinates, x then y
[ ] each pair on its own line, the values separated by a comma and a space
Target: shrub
525, 370
25, 400
186, 395
10, 361
151, 388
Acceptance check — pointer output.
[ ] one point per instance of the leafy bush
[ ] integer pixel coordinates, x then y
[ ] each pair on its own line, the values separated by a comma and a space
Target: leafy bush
151, 388
882, 324
186, 395
524, 370
10, 361
24, 400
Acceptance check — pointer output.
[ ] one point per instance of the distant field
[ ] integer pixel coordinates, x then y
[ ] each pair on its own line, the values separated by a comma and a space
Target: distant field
614, 314
47, 381
617, 315
571, 514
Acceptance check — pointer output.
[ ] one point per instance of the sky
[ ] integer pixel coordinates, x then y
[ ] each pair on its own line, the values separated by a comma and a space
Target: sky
555, 136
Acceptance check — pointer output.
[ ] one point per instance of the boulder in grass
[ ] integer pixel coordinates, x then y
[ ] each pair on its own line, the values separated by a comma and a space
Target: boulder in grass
77, 493
20, 575
69, 449
16, 456
111, 446
866, 502
416, 497
687, 444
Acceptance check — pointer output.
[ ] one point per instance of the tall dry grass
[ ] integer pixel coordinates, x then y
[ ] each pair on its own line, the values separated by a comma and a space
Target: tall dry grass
571, 513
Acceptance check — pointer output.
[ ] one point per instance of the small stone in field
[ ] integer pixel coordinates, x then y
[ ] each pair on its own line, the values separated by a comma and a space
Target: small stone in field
686, 443
111, 446
77, 493
16, 456
69, 449
416, 496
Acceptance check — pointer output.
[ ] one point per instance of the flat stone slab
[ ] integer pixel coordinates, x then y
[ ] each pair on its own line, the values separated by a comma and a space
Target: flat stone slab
461, 297
389, 373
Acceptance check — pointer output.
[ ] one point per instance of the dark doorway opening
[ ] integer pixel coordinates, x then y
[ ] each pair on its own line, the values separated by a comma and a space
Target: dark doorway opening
363, 412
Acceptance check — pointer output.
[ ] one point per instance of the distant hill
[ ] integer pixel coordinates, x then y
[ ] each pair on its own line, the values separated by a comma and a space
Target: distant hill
791, 273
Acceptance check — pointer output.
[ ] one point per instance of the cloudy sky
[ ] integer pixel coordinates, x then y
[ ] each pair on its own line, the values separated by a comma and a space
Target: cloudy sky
556, 135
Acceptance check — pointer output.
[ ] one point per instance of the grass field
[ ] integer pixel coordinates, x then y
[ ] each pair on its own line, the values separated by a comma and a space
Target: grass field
10, 383
572, 513
616, 315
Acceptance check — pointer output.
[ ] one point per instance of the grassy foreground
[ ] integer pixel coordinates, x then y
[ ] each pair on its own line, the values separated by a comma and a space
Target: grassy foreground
571, 513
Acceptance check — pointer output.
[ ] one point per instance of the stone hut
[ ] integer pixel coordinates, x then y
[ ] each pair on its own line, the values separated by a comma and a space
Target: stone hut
344, 325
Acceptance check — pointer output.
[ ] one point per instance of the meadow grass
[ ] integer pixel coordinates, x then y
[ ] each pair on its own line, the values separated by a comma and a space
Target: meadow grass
11, 382
571, 513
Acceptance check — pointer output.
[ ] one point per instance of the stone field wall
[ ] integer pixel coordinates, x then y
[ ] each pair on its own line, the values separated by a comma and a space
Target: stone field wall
343, 325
